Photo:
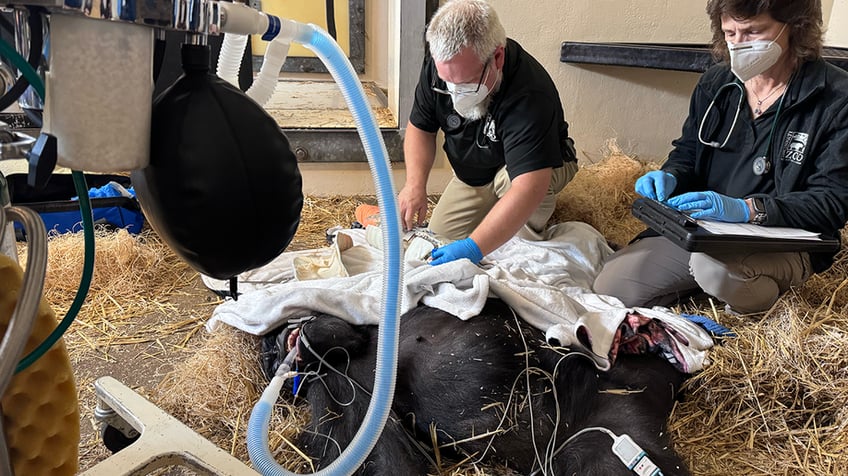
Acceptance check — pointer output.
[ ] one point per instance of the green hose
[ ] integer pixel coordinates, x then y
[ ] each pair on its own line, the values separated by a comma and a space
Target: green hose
85, 281
87, 222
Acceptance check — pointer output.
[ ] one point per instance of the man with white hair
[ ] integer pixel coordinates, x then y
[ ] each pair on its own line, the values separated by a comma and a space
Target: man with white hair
505, 135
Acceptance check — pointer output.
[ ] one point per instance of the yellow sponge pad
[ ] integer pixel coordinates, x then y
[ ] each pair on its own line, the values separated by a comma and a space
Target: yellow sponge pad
40, 408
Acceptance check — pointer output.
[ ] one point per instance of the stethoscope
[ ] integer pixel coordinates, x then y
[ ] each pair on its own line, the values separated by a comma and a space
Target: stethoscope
716, 144
762, 164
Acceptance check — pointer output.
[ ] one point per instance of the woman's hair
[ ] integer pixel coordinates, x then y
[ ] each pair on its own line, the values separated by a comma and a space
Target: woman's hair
803, 20
465, 23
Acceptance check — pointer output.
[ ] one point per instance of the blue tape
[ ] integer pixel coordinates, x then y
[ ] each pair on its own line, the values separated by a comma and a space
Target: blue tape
710, 325
273, 28
296, 381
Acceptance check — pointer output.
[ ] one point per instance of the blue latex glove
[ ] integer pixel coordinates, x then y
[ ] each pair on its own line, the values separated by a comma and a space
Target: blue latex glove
656, 185
457, 250
712, 206
110, 190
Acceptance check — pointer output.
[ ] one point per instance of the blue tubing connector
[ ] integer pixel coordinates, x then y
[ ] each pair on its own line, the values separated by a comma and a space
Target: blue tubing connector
317, 40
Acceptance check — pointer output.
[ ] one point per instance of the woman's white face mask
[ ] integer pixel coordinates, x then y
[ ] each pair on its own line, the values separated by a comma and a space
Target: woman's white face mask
750, 58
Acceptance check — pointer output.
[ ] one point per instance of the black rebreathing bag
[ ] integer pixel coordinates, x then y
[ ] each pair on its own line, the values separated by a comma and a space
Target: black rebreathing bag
223, 188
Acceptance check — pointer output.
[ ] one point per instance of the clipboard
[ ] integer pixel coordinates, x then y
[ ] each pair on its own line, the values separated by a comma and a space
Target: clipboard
689, 234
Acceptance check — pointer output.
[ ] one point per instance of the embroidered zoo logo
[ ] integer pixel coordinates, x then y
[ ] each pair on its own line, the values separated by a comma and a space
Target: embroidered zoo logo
489, 129
795, 146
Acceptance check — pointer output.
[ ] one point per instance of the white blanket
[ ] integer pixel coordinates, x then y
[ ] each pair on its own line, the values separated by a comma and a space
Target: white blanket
548, 283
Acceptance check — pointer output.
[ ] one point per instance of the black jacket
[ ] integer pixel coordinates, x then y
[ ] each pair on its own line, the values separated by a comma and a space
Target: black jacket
808, 154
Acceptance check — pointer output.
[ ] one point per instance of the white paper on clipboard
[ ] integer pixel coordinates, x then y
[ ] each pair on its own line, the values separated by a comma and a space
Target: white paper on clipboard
747, 229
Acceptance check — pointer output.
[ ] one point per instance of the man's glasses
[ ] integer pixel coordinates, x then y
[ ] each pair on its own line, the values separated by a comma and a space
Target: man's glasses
460, 93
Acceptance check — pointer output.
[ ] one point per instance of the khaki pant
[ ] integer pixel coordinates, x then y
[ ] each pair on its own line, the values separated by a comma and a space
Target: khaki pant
462, 207
656, 272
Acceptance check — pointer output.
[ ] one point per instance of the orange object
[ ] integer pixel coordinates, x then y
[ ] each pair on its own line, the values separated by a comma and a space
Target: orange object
367, 215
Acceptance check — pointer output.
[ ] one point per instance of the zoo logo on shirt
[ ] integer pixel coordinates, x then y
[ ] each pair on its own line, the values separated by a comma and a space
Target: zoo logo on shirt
794, 146
489, 129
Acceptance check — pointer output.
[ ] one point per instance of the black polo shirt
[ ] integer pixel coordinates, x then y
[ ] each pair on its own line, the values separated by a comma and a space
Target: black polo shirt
524, 129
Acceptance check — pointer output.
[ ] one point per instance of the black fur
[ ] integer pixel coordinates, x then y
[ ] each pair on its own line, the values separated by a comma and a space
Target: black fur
458, 377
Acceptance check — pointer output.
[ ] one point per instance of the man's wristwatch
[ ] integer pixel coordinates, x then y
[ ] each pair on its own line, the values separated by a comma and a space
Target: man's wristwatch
759, 211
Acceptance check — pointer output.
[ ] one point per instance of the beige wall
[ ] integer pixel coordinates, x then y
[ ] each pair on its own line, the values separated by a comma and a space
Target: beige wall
377, 44
837, 33
642, 109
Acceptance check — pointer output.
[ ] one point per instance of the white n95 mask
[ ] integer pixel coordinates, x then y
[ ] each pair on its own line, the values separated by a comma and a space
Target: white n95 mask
466, 97
750, 58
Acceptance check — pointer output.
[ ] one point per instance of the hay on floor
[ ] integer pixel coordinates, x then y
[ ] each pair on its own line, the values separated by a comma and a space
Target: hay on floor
133, 277
214, 390
773, 400
601, 194
321, 213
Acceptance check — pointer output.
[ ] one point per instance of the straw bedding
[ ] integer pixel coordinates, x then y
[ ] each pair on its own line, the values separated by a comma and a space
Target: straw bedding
772, 401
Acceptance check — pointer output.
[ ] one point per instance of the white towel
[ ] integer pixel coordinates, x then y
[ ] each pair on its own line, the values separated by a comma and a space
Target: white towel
548, 283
